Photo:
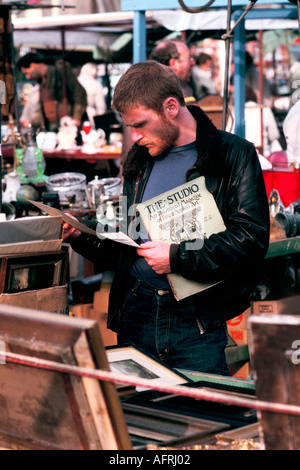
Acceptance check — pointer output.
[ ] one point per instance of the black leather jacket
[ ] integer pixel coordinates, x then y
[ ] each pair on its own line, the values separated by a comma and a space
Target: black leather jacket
233, 175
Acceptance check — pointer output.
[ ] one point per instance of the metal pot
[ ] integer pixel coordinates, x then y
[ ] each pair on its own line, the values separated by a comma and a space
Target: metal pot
112, 186
95, 191
71, 187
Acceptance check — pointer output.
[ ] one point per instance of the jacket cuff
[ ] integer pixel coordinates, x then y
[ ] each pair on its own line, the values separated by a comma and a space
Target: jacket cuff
174, 248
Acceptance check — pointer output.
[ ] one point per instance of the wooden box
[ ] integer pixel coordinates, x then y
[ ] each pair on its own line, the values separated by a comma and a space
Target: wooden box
48, 409
274, 341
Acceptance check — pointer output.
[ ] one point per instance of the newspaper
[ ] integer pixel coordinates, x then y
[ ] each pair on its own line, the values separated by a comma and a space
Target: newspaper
187, 212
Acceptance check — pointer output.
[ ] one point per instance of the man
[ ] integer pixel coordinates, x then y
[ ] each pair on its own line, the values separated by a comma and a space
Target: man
60, 92
176, 55
174, 143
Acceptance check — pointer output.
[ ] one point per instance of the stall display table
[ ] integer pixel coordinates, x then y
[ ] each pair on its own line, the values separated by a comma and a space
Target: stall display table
108, 152
286, 181
58, 161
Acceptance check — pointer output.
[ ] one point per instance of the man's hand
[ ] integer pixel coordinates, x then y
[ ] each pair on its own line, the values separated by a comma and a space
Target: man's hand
70, 232
157, 255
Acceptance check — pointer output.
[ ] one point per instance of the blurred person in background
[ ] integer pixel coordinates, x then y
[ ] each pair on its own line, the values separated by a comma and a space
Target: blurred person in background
252, 80
176, 55
254, 116
202, 76
291, 130
32, 110
95, 95
60, 92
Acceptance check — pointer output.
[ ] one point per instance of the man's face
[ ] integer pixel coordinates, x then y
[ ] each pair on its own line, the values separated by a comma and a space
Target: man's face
33, 72
151, 130
183, 66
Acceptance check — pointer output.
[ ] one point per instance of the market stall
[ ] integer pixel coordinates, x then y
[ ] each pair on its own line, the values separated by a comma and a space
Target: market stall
58, 362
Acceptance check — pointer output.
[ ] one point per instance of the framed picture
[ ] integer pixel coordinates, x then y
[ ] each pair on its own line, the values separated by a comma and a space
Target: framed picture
50, 410
132, 361
30, 272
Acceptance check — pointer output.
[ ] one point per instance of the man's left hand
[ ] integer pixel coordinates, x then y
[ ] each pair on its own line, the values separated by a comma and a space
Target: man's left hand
157, 255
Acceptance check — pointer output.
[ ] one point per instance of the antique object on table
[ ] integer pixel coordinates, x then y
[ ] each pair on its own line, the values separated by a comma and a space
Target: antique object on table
96, 192
26, 192
71, 187
274, 342
112, 186
67, 134
12, 183
92, 140
289, 222
14, 139
46, 140
33, 162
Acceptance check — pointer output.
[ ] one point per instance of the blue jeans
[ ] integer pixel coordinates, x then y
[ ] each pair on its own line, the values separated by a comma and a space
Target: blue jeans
168, 330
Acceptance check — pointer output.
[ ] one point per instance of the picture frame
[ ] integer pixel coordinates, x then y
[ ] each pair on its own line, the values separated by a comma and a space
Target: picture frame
51, 410
131, 360
19, 273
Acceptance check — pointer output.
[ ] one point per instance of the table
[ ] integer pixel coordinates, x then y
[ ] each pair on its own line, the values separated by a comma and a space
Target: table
60, 161
108, 152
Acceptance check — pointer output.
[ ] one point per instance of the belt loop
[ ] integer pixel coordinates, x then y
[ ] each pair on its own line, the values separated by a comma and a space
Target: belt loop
136, 286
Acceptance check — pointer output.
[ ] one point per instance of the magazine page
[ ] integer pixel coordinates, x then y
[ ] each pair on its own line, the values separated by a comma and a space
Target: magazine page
187, 212
119, 237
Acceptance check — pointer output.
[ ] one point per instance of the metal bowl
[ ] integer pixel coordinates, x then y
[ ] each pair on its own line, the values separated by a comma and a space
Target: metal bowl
71, 187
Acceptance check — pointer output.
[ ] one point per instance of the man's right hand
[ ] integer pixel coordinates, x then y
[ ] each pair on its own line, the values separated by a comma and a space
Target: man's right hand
69, 231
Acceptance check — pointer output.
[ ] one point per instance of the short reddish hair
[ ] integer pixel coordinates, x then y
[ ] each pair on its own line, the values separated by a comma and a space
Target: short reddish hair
147, 84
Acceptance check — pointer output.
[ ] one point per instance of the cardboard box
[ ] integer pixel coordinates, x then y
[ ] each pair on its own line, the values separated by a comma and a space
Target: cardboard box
238, 332
30, 229
237, 328
288, 305
109, 337
53, 300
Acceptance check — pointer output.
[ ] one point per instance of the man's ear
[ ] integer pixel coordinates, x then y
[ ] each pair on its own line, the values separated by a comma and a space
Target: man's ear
171, 107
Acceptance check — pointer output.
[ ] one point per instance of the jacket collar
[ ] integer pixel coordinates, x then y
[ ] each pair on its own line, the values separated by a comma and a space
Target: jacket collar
208, 144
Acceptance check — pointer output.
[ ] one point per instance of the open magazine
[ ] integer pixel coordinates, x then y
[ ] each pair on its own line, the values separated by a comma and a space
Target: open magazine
187, 212
119, 237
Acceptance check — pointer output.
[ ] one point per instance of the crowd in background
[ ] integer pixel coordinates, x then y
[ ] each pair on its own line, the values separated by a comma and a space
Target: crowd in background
199, 73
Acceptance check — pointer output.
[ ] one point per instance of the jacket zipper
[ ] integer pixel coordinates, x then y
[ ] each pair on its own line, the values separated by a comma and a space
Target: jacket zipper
201, 329
136, 193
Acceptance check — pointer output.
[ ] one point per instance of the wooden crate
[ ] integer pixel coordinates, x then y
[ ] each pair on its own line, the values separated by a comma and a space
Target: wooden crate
274, 342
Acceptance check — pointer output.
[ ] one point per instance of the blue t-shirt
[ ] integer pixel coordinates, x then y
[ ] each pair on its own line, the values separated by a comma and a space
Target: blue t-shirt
168, 172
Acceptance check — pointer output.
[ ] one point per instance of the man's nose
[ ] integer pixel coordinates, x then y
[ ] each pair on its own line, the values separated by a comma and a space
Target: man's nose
136, 135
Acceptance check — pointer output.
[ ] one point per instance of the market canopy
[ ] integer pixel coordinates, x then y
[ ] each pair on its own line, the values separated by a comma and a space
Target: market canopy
112, 30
